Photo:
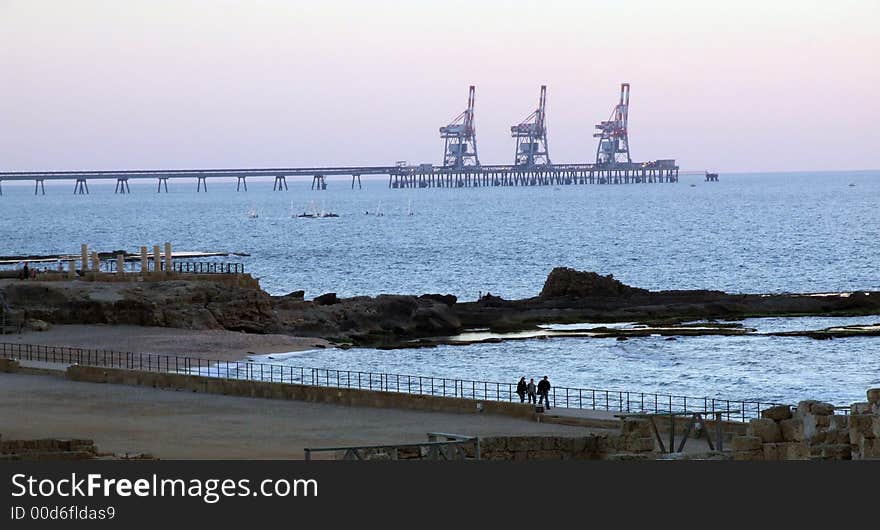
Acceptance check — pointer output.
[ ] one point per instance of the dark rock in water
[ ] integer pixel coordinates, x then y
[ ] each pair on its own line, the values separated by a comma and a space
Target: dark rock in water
670, 338
448, 299
327, 299
296, 294
566, 282
622, 338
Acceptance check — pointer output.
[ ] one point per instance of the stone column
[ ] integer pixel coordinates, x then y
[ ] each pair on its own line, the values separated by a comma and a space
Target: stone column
85, 257
120, 265
157, 259
145, 266
71, 268
96, 262
168, 258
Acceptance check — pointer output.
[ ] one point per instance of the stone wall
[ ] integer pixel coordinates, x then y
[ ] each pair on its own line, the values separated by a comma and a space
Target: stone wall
812, 431
47, 449
314, 394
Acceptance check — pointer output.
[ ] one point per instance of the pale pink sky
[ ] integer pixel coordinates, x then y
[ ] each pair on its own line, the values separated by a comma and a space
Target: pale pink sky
729, 86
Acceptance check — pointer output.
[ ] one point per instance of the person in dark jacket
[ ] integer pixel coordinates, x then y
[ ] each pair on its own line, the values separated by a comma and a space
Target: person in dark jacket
544, 392
521, 389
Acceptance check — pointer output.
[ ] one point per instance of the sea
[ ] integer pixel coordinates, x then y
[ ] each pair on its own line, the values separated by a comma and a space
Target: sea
796, 232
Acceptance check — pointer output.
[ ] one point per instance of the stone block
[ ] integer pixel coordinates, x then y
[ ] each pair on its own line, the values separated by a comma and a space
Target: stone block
836, 451
815, 424
792, 430
873, 395
774, 451
748, 456
636, 426
765, 429
746, 443
777, 413
797, 451
838, 422
640, 444
812, 406
860, 408
869, 449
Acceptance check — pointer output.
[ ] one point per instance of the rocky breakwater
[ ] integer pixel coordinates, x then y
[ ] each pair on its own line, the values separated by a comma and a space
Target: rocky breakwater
171, 303
235, 306
363, 320
571, 296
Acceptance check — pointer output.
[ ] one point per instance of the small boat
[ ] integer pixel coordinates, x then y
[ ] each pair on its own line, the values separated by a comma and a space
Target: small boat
851, 185
311, 213
693, 185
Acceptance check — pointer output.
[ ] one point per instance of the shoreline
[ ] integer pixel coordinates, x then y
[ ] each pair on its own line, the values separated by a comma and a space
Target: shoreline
213, 344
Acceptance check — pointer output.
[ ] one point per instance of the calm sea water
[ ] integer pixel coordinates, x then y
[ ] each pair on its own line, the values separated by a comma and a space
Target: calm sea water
792, 232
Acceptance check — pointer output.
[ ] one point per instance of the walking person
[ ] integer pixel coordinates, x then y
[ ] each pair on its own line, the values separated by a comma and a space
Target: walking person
544, 392
521, 389
532, 390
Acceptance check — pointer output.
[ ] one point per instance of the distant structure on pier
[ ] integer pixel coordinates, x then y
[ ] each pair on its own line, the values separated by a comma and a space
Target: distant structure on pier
461, 165
531, 136
460, 137
613, 145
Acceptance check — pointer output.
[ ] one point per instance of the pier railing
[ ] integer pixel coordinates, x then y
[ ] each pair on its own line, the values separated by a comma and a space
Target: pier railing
183, 266
562, 397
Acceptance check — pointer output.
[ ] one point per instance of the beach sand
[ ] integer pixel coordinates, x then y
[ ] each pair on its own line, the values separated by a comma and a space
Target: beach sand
212, 344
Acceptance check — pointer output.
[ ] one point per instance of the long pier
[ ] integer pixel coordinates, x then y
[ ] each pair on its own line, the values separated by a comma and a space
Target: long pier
399, 176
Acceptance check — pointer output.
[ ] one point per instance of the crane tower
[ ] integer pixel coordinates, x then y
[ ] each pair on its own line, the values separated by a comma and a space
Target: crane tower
531, 136
460, 137
613, 145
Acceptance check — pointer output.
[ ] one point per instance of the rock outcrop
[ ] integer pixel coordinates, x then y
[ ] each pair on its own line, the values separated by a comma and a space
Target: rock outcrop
566, 282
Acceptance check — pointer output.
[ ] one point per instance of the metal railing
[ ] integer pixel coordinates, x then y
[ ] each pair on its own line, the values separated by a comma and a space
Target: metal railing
562, 397
183, 266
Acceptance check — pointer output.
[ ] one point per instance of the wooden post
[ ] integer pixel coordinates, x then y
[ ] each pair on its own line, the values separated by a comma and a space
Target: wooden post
168, 256
157, 259
85, 257
145, 266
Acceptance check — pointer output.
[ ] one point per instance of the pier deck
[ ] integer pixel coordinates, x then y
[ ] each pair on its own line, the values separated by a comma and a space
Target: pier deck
399, 176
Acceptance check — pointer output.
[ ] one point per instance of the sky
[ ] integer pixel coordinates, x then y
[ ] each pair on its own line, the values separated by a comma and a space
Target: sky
772, 85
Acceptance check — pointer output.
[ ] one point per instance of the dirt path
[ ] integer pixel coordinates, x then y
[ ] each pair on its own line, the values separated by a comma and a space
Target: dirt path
185, 425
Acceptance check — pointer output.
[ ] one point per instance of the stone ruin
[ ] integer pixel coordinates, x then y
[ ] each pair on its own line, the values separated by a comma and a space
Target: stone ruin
812, 431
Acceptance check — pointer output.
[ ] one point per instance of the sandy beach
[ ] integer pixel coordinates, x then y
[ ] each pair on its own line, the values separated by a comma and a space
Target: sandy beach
218, 345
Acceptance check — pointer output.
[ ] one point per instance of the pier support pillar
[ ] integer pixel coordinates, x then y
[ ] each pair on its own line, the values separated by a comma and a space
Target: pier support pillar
122, 186
163, 181
85, 257
81, 187
358, 177
39, 185
168, 258
318, 182
120, 265
145, 266
157, 259
241, 180
280, 180
202, 182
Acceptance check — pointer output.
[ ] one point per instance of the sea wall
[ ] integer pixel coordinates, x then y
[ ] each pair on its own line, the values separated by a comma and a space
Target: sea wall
313, 394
